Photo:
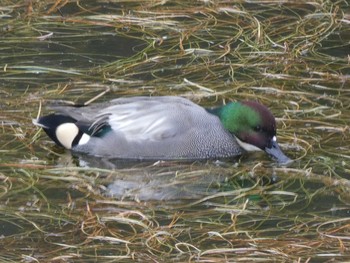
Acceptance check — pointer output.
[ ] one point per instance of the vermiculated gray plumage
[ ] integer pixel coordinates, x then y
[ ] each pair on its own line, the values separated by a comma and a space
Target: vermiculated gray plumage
154, 128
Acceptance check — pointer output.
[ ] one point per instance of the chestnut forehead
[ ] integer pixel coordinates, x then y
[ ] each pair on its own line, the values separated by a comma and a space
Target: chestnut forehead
268, 120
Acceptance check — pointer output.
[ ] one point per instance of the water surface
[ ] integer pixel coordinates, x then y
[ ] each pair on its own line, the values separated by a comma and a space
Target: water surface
294, 58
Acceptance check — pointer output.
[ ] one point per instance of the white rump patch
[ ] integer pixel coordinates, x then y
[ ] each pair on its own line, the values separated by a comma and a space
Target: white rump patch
66, 133
247, 146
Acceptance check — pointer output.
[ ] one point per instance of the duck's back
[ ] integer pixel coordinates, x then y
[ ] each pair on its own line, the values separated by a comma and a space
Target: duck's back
154, 128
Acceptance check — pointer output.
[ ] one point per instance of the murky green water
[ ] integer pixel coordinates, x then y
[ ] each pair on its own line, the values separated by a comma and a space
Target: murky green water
59, 207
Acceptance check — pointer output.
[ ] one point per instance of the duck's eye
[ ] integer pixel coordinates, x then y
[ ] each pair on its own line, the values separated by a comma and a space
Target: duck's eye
258, 128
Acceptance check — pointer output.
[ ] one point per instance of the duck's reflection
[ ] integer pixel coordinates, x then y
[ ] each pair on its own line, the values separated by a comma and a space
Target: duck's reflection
160, 180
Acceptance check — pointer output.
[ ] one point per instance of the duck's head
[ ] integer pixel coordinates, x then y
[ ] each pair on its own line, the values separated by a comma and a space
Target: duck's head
254, 127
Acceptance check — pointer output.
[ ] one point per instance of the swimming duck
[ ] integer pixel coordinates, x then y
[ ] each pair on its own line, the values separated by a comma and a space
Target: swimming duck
163, 128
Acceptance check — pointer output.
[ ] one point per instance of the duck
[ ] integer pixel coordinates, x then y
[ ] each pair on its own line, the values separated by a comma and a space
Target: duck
163, 128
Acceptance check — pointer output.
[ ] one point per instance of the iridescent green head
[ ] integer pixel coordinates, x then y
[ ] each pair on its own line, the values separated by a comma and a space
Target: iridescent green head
254, 127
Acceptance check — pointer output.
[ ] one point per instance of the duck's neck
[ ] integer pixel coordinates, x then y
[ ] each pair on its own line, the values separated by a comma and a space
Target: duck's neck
229, 115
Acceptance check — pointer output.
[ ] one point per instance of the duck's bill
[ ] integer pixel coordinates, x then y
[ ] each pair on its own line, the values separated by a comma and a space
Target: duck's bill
275, 152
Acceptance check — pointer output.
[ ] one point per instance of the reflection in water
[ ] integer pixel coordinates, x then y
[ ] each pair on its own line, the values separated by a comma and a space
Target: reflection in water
162, 180
166, 185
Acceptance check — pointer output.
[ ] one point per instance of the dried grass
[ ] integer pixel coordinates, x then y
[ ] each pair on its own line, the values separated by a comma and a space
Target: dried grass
289, 55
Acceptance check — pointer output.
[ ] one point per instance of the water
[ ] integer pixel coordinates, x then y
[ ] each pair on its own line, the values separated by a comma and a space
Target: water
57, 206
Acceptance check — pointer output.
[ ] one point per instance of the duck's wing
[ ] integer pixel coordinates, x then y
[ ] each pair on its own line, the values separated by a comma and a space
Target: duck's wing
152, 119
140, 118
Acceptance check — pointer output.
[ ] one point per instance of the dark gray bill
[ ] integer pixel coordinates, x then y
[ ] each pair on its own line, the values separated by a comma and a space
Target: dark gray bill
275, 152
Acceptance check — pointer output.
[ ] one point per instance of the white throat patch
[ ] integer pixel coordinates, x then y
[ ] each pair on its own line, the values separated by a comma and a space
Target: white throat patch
247, 146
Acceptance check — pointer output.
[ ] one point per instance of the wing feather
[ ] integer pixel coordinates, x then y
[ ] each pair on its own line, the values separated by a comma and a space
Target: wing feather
144, 118
139, 118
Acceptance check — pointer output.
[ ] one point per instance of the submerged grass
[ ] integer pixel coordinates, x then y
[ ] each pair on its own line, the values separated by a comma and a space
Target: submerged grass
291, 56
249, 223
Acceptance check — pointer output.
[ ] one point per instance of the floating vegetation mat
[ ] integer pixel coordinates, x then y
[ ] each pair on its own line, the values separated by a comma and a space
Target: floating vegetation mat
293, 56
